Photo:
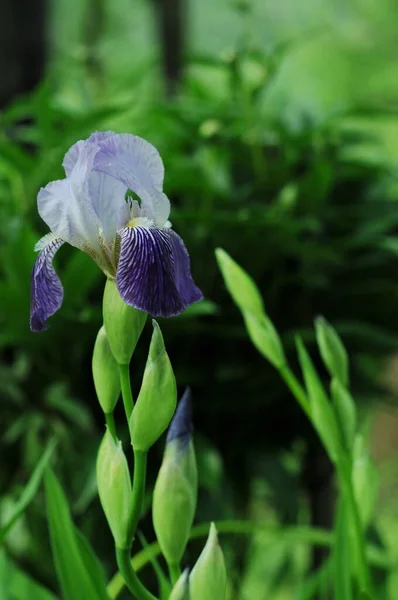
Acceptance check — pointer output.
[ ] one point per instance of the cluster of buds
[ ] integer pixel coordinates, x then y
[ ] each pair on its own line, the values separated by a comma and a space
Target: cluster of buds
176, 488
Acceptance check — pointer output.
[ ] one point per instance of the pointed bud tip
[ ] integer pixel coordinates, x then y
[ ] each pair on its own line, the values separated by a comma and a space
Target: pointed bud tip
181, 425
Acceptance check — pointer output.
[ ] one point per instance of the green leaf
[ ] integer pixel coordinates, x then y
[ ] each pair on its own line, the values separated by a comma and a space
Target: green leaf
332, 350
29, 490
239, 284
365, 479
92, 565
322, 415
71, 563
346, 411
342, 555
15, 584
246, 296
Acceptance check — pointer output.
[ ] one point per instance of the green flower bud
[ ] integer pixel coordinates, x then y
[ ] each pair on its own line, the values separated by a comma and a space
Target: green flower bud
176, 488
157, 398
114, 488
332, 350
181, 589
105, 373
123, 324
209, 578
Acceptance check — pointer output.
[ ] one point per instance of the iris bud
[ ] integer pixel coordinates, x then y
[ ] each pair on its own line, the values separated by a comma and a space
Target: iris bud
181, 589
105, 373
123, 323
176, 488
209, 578
114, 488
157, 398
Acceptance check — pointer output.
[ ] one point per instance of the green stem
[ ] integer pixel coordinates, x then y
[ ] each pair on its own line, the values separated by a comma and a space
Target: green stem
348, 488
139, 480
290, 535
296, 388
110, 423
124, 374
130, 577
344, 472
174, 571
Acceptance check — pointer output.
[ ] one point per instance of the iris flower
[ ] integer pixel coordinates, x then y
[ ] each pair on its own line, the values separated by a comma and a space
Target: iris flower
111, 206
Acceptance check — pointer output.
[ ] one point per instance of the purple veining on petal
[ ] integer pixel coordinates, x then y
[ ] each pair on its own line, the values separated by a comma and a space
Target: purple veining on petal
153, 273
46, 289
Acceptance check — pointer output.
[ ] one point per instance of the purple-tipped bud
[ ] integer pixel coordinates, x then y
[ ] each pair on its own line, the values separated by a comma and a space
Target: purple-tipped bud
175, 493
181, 426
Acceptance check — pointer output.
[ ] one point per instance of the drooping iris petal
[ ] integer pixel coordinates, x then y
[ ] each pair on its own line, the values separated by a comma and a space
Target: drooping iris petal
136, 163
46, 289
153, 273
108, 199
66, 206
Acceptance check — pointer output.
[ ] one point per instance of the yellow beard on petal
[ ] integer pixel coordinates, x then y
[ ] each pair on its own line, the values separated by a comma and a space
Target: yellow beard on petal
140, 222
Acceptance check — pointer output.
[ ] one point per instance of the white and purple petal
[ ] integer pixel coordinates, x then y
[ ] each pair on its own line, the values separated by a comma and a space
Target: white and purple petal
154, 273
46, 289
66, 206
138, 165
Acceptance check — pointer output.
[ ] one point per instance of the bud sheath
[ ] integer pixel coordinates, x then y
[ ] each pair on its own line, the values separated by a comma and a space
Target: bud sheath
114, 488
123, 324
209, 578
105, 373
157, 398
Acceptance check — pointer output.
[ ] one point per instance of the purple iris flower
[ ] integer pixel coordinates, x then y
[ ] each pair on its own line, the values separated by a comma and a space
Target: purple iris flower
111, 206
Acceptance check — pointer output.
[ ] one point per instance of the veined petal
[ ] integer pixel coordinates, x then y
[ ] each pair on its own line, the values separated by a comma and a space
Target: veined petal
136, 163
108, 199
46, 289
71, 157
66, 207
153, 273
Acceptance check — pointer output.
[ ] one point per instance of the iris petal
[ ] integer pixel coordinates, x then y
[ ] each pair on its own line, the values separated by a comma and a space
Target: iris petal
66, 206
136, 163
46, 289
153, 273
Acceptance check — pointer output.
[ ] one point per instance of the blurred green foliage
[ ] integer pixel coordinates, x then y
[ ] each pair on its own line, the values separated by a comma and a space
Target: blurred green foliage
281, 146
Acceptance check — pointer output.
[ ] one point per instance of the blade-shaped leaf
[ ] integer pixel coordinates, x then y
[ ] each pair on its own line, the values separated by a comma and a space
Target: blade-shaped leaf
29, 490
76, 580
15, 584
323, 417
92, 564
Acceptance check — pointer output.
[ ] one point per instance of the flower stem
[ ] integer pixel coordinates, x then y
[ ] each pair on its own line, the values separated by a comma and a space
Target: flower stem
174, 571
130, 577
124, 374
139, 480
110, 423
296, 388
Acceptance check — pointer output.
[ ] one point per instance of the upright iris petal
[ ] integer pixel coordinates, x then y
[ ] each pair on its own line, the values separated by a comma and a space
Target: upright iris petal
46, 289
153, 273
129, 238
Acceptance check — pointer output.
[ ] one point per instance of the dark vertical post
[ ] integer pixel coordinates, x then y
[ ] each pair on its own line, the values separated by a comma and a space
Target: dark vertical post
22, 46
171, 20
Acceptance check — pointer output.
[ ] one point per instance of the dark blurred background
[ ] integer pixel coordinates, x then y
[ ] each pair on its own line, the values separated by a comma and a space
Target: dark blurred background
278, 127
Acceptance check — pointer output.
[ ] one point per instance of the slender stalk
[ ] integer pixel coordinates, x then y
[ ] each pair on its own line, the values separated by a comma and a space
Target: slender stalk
296, 388
348, 489
110, 423
344, 472
139, 481
124, 374
130, 577
174, 572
